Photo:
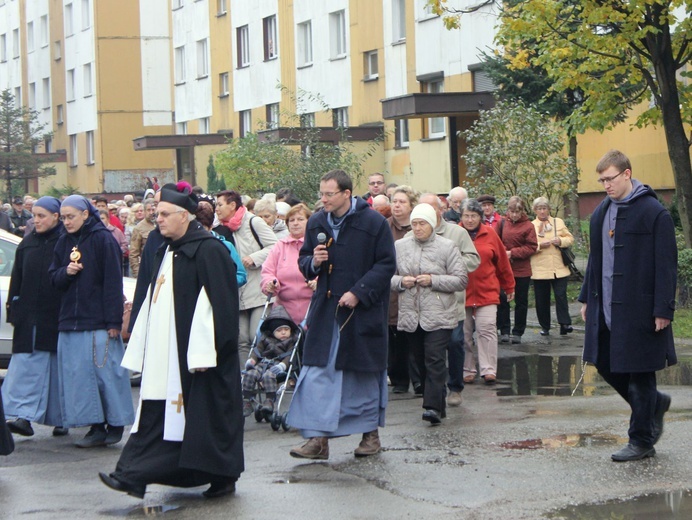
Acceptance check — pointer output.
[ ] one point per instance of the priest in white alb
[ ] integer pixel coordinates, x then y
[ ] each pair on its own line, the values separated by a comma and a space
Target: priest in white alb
188, 430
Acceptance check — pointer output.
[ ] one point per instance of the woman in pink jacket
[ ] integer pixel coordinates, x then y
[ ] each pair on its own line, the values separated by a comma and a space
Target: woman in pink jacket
280, 274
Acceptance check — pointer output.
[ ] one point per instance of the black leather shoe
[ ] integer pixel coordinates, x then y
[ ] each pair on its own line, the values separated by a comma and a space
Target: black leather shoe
632, 452
114, 435
95, 437
399, 389
20, 427
59, 431
134, 490
220, 488
418, 389
432, 416
661, 408
566, 329
545, 332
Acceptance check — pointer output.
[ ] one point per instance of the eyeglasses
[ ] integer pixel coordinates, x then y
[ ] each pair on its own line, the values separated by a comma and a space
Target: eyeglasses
376, 183
328, 194
603, 180
166, 214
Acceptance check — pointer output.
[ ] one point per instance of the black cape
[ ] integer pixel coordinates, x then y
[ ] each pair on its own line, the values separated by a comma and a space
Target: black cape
212, 444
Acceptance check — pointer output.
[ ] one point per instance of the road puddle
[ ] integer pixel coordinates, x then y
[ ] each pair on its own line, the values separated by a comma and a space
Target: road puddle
144, 511
667, 505
538, 374
574, 440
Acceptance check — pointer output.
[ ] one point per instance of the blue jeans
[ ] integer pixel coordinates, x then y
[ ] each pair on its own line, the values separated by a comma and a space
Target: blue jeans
455, 359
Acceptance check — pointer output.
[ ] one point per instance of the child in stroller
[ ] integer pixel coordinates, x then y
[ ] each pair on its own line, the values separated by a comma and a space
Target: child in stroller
269, 360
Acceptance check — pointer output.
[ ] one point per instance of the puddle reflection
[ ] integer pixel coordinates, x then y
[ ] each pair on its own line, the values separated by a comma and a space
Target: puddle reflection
569, 440
144, 511
538, 374
668, 505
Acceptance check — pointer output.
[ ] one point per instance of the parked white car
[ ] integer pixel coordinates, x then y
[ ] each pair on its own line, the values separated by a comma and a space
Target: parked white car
8, 249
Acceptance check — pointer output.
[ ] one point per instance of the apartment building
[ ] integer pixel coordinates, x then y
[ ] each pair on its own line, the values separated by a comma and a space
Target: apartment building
154, 87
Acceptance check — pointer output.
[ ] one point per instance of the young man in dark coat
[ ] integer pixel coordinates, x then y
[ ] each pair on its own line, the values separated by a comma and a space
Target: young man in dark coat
342, 388
628, 299
189, 427
32, 391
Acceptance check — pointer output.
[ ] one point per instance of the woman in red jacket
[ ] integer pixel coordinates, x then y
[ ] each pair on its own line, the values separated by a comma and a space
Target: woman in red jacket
519, 237
483, 294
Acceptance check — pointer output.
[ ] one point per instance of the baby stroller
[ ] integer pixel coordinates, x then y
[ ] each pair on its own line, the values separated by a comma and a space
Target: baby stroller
271, 367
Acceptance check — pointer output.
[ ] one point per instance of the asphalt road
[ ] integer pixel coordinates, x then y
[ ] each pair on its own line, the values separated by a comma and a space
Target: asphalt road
521, 449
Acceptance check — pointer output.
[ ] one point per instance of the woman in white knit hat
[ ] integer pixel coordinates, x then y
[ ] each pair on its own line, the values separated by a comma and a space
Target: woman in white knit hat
429, 272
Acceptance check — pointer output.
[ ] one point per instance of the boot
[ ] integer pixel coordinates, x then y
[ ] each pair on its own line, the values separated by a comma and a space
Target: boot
369, 445
316, 448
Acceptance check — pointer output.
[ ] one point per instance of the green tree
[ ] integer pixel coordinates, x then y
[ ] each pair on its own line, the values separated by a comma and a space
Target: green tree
608, 49
212, 177
254, 166
516, 150
20, 134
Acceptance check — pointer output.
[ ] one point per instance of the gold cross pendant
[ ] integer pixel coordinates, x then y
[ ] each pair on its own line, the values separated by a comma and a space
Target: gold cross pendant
179, 403
159, 282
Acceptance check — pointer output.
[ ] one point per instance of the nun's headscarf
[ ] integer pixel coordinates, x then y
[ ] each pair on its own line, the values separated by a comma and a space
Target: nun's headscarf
50, 204
80, 203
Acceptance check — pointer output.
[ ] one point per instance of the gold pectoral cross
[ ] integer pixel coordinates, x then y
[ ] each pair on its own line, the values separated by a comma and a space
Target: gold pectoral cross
159, 282
179, 403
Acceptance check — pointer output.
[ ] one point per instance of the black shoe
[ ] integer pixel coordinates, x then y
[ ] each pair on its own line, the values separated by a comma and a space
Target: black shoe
59, 431
134, 490
95, 438
632, 452
661, 408
545, 332
516, 339
20, 427
432, 416
220, 488
418, 389
114, 435
566, 329
399, 389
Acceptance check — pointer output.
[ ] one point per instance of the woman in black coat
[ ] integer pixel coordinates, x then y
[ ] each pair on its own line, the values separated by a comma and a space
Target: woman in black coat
31, 386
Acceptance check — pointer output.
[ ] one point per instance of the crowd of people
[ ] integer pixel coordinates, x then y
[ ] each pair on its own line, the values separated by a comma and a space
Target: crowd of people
393, 289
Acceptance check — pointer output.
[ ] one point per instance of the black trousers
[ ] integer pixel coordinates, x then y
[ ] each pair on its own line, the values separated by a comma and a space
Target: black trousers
638, 389
521, 308
430, 352
398, 361
541, 289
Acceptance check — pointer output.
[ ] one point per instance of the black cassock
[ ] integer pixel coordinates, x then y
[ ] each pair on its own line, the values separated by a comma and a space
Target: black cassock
212, 445
6, 440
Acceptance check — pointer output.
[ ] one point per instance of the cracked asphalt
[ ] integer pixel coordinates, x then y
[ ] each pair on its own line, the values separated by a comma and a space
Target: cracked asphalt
522, 449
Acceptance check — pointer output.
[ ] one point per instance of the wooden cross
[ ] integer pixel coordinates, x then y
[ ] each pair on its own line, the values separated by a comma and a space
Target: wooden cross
179, 403
159, 282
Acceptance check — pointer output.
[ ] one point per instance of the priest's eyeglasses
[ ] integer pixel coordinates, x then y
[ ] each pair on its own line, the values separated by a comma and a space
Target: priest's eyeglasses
166, 214
608, 180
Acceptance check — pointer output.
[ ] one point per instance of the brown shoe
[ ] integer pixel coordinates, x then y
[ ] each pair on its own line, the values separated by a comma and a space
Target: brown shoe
369, 445
316, 448
469, 379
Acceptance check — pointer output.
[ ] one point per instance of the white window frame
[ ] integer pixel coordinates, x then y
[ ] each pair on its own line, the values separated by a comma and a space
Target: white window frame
370, 65
401, 133
3, 48
338, 39
30, 42
88, 80
44, 30
205, 125
70, 86
86, 14
48, 145
32, 96
273, 116
243, 45
245, 121
304, 43
15, 43
69, 19
177, 4
74, 151
224, 84
17, 97
307, 120
340, 117
181, 128
424, 11
221, 7
179, 64
398, 21
57, 50
90, 155
202, 58
436, 125
46, 93
60, 114
270, 38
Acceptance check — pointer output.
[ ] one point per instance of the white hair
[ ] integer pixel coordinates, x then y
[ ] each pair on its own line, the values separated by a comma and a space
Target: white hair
459, 191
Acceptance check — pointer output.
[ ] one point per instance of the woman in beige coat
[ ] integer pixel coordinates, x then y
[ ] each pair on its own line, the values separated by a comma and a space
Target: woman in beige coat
548, 268
429, 273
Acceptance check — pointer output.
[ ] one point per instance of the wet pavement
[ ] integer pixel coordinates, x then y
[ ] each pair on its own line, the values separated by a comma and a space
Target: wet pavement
521, 449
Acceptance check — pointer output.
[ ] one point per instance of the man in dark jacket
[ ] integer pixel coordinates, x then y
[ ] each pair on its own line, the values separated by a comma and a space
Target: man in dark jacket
19, 216
342, 388
189, 430
628, 299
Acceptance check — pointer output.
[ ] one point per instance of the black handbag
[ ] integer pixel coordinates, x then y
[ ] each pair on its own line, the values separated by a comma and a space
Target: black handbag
568, 257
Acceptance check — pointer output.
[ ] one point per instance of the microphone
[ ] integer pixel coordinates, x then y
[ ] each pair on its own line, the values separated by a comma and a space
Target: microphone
321, 238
